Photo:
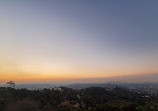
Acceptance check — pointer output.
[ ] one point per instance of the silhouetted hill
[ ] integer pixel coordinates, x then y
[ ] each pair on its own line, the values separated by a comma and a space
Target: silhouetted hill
67, 99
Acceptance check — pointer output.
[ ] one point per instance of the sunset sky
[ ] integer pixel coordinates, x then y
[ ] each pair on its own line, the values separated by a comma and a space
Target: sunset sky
59, 40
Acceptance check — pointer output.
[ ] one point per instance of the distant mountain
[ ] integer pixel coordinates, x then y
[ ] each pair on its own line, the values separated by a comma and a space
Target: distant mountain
122, 78
39, 86
87, 85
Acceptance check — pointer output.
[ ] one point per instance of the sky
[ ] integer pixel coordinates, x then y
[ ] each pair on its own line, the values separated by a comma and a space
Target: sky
65, 40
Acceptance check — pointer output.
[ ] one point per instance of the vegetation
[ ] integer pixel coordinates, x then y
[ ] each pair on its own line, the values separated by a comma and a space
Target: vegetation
66, 99
11, 84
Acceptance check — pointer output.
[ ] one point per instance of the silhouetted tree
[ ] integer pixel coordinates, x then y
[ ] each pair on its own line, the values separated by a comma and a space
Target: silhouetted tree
11, 84
24, 105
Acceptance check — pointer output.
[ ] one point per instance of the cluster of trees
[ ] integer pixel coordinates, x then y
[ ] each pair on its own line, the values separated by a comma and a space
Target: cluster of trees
66, 99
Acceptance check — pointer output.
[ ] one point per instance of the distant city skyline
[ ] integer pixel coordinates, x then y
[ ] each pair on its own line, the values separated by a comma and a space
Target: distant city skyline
52, 40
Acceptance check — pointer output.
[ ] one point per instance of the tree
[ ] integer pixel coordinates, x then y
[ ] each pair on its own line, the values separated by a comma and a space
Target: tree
11, 84
23, 105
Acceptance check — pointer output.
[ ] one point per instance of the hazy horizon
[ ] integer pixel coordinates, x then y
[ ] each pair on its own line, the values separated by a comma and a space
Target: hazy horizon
78, 41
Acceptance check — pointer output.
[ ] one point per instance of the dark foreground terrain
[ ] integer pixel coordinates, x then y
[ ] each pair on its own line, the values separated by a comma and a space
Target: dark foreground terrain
67, 99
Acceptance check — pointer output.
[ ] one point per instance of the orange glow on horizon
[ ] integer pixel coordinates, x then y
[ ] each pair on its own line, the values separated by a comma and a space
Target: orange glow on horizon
45, 78
43, 72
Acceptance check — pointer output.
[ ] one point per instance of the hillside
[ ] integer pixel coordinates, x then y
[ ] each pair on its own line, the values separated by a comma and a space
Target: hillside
67, 99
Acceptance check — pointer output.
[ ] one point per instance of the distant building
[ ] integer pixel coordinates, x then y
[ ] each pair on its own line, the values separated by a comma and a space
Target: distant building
57, 88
